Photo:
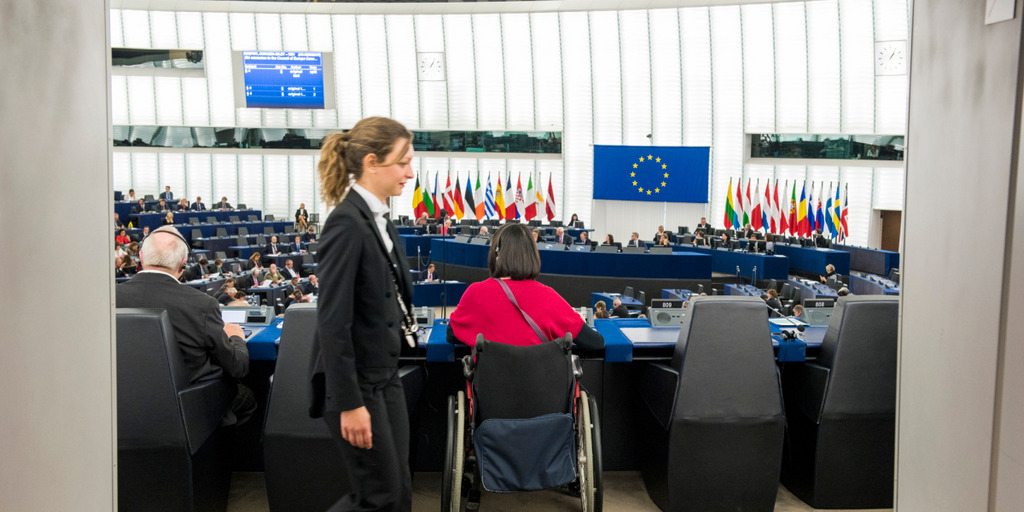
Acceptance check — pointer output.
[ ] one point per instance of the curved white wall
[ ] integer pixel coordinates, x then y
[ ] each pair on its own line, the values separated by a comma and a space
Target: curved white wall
692, 75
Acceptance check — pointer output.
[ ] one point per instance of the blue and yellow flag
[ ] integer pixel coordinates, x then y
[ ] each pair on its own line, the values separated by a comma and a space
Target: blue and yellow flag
675, 174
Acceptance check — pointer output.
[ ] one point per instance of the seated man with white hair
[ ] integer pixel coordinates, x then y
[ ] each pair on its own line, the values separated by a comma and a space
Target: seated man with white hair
210, 347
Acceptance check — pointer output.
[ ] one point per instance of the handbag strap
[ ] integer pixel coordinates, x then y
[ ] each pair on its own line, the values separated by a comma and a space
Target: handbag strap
512, 298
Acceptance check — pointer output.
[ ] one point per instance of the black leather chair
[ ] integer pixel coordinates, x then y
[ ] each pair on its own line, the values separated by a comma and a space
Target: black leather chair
841, 410
303, 468
717, 440
171, 454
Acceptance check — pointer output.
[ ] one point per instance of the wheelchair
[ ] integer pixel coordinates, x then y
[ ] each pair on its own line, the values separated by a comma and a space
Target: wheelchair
522, 424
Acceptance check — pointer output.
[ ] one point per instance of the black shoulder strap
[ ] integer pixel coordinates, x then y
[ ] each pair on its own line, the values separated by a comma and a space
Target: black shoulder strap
512, 298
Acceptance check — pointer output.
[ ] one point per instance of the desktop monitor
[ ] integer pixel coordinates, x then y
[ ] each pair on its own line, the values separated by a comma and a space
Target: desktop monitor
582, 247
233, 316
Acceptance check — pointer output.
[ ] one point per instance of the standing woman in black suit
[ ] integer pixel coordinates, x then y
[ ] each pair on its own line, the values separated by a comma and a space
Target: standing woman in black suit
365, 296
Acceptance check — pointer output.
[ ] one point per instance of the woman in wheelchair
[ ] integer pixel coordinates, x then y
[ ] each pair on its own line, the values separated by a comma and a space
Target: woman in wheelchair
486, 308
547, 433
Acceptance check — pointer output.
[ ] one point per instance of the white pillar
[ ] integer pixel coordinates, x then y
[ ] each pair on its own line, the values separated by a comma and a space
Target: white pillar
57, 427
960, 412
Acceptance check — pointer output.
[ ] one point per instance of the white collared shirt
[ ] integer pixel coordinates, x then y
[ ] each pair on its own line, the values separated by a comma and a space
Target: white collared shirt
379, 209
154, 271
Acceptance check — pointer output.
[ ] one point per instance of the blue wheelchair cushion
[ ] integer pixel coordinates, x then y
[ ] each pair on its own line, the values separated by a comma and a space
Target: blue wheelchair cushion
526, 454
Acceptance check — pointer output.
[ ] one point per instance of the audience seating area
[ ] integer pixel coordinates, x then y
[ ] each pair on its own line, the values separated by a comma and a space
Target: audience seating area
715, 427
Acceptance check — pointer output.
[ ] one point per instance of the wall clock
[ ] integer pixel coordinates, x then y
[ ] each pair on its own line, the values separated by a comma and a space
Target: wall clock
430, 66
890, 58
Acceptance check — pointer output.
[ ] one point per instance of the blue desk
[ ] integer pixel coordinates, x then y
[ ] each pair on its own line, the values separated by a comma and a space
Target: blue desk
429, 294
812, 290
680, 294
263, 345
409, 230
123, 211
154, 219
875, 261
813, 259
420, 242
725, 262
680, 265
637, 334
872, 285
271, 294
633, 305
743, 289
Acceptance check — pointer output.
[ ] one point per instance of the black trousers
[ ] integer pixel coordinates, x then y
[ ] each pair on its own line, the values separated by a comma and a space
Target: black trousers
380, 475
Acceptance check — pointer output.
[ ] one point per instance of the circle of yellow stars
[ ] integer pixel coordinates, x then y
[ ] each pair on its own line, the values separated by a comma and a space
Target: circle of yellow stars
657, 161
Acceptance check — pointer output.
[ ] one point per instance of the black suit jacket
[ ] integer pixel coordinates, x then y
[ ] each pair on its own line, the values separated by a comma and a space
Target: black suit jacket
301, 212
168, 196
620, 311
198, 327
566, 239
706, 227
359, 333
198, 207
269, 249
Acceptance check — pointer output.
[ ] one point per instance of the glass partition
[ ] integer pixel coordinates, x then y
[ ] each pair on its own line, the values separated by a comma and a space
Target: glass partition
454, 141
827, 147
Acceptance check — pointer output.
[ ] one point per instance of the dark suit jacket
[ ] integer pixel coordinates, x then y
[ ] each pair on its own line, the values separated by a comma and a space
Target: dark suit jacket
198, 207
706, 227
637, 243
167, 196
269, 249
566, 239
359, 338
198, 327
303, 213
139, 208
288, 275
621, 311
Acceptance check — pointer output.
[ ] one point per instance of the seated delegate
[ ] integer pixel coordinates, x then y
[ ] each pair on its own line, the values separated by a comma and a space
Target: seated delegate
486, 309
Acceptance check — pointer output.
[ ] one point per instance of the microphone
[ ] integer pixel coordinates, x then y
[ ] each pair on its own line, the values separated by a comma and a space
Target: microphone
789, 335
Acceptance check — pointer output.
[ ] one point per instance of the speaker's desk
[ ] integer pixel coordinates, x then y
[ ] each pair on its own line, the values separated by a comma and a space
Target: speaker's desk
678, 265
744, 263
875, 261
437, 293
814, 259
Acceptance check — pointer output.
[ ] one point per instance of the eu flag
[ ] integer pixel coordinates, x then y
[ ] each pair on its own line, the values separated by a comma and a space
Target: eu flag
674, 174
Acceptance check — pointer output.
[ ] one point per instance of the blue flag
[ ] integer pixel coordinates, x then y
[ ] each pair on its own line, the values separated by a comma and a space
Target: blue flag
674, 174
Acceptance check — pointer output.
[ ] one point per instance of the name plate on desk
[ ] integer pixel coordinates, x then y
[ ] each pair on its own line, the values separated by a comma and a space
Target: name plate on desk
819, 303
666, 303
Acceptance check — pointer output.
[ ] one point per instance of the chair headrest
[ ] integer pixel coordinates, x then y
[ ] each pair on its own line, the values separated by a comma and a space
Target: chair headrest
725, 359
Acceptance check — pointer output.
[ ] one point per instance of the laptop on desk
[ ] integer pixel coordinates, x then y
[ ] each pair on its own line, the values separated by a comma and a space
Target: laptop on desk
238, 317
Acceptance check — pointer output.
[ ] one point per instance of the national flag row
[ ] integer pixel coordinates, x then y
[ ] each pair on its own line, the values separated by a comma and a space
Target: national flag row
484, 201
774, 213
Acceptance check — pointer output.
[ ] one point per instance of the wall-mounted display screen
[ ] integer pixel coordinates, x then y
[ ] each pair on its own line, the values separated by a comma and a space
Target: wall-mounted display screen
272, 79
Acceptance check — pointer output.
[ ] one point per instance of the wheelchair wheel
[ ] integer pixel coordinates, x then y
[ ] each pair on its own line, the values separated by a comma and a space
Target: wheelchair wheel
595, 429
451, 491
585, 453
